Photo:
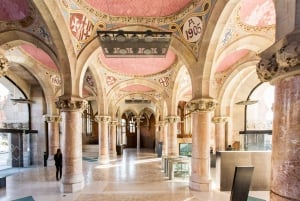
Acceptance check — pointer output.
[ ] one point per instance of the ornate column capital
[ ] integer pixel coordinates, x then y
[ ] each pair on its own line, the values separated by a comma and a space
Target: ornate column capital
202, 105
280, 60
3, 65
172, 119
114, 123
102, 118
52, 118
219, 119
71, 103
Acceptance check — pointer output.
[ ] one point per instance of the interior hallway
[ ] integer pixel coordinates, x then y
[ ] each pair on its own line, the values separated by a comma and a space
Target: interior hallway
131, 177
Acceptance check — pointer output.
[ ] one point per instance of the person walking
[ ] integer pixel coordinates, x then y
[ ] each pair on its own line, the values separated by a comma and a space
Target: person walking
58, 164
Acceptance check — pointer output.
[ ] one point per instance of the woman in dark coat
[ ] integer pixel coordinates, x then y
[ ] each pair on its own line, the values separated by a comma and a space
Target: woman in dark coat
58, 164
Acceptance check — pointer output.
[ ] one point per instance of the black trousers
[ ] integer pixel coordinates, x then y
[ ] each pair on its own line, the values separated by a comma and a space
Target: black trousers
58, 172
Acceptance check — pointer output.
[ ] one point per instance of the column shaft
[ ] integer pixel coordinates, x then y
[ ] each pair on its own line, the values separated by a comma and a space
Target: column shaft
138, 134
200, 178
285, 182
53, 133
72, 177
103, 122
165, 139
113, 139
219, 133
172, 134
201, 120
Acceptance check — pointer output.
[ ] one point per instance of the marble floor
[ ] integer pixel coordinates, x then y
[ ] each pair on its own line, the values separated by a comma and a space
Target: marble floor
131, 177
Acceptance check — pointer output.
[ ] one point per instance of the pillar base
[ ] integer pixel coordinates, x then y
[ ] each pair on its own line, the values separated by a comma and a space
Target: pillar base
113, 155
71, 188
103, 160
200, 185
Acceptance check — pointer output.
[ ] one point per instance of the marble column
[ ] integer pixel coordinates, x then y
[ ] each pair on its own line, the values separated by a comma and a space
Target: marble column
157, 136
164, 134
71, 143
220, 133
113, 139
53, 133
201, 119
280, 65
138, 134
172, 136
103, 122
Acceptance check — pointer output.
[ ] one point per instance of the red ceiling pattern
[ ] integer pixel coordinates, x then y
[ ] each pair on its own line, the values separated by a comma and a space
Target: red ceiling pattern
137, 88
139, 66
139, 8
231, 59
11, 10
39, 55
258, 12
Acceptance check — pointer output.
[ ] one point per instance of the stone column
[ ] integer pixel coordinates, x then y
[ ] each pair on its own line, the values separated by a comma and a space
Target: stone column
103, 122
164, 137
157, 137
201, 119
71, 143
113, 139
280, 65
53, 133
220, 133
172, 135
138, 134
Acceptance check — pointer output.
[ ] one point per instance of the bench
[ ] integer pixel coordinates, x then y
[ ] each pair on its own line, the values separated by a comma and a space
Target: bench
5, 173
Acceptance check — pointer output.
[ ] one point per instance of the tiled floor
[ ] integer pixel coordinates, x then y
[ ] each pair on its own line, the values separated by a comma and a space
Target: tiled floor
132, 177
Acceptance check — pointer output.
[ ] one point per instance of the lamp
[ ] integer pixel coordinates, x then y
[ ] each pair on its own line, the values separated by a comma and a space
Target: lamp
134, 43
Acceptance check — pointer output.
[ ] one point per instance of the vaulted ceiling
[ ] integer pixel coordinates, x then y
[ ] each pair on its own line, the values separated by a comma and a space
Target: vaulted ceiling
93, 15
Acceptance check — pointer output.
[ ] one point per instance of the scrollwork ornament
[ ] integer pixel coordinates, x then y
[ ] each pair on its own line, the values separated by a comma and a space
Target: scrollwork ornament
172, 119
69, 104
219, 119
202, 105
266, 69
103, 118
3, 65
52, 118
113, 123
289, 55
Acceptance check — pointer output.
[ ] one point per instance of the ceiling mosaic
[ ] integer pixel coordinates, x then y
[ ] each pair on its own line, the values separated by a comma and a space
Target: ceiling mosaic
257, 12
139, 8
39, 55
137, 88
185, 19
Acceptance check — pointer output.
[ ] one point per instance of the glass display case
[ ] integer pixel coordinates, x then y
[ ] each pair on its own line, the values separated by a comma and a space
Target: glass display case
185, 149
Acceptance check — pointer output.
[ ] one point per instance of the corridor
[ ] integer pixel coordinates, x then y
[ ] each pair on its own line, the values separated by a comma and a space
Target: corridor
131, 177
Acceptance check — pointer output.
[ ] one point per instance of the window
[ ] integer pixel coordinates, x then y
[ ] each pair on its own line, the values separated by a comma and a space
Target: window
87, 127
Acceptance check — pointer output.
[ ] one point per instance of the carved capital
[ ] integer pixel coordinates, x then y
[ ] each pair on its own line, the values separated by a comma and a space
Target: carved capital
102, 118
202, 105
280, 60
114, 123
172, 119
52, 118
3, 65
68, 104
218, 120
289, 55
